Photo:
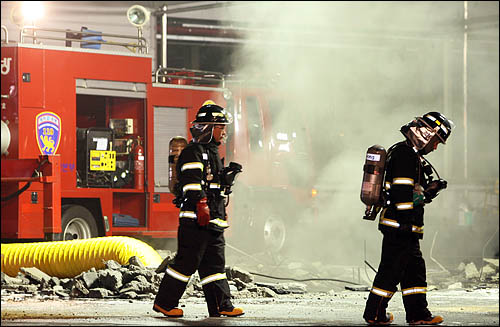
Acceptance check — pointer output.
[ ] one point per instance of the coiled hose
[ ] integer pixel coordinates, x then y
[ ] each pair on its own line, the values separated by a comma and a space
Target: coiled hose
67, 259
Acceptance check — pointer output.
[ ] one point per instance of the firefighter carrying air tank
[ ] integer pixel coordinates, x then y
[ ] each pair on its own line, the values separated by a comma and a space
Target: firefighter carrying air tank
202, 188
409, 185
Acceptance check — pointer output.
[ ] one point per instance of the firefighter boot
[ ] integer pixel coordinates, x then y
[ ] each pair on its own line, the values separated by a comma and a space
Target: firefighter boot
218, 300
386, 320
431, 320
173, 313
233, 313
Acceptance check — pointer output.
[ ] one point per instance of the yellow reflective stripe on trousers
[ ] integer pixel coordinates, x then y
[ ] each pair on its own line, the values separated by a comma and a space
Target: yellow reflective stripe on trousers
414, 290
212, 278
219, 222
177, 275
381, 292
395, 224
404, 206
192, 165
403, 181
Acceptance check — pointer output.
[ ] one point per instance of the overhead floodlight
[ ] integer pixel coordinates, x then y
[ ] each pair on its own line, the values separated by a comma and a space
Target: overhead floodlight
137, 15
16, 16
32, 10
26, 13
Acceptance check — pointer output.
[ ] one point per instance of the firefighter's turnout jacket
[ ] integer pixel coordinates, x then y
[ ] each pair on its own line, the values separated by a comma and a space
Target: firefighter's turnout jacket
199, 247
402, 225
404, 172
199, 168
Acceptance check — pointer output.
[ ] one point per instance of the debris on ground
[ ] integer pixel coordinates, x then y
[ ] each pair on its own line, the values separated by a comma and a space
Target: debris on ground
135, 281
468, 276
131, 281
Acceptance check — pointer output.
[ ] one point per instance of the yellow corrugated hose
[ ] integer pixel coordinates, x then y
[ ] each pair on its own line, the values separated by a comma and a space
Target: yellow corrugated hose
66, 259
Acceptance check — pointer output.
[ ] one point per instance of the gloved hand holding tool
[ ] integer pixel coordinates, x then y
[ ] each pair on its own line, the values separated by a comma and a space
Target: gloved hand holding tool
433, 189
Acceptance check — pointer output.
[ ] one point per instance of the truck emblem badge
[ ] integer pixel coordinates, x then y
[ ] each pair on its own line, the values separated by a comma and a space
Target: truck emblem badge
6, 65
48, 132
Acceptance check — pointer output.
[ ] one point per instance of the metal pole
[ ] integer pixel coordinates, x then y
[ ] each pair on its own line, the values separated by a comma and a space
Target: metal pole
139, 36
465, 92
446, 99
164, 37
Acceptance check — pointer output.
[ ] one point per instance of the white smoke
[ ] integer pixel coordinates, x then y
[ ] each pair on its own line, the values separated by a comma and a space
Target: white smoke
354, 73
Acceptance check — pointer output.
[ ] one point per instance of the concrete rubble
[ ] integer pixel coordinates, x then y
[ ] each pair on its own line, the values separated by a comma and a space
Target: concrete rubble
131, 281
134, 281
468, 276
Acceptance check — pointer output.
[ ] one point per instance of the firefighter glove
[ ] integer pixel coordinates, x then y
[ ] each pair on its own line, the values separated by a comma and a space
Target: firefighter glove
203, 212
433, 189
418, 195
418, 199
230, 172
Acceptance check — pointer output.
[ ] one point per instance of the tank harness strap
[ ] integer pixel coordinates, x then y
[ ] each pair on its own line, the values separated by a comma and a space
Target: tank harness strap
206, 170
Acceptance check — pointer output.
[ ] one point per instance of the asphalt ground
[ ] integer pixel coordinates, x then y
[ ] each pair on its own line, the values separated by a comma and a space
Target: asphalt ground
460, 307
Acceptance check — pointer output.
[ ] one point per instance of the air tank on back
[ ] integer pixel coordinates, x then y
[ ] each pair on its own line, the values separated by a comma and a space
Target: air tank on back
373, 178
176, 145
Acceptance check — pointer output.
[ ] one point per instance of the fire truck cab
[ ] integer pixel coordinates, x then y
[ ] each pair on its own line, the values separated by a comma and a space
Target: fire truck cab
276, 193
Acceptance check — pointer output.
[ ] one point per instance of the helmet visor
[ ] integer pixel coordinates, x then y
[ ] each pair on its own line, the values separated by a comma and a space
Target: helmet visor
214, 118
222, 118
229, 117
422, 135
442, 126
202, 133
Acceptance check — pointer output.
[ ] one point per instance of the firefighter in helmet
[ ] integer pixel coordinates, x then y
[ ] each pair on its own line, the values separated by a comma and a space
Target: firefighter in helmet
409, 185
202, 219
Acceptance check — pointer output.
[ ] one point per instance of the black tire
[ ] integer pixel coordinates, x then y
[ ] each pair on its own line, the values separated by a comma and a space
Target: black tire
77, 222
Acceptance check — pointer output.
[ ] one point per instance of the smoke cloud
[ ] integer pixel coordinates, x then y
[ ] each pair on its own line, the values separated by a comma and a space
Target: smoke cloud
351, 74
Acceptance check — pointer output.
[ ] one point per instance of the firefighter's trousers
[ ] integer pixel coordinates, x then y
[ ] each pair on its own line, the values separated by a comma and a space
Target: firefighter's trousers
401, 263
197, 249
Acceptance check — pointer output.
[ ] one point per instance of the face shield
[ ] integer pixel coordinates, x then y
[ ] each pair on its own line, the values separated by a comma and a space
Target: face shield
202, 133
421, 136
426, 132
438, 123
228, 116
418, 133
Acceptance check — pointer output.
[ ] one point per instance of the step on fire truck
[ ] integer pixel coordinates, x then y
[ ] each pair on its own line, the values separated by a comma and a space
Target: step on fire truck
85, 142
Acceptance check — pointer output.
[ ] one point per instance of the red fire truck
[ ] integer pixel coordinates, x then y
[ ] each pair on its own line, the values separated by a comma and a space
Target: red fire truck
85, 143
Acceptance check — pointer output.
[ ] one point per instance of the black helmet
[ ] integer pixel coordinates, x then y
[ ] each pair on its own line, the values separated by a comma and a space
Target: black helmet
439, 123
422, 130
210, 113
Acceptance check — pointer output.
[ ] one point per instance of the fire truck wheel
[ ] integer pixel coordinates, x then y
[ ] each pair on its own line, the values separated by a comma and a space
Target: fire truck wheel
77, 223
275, 235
